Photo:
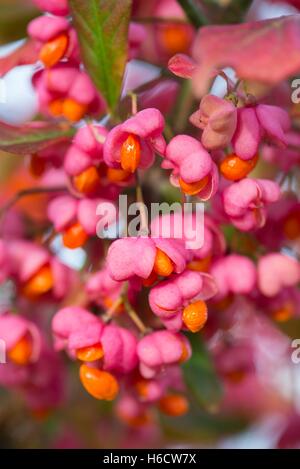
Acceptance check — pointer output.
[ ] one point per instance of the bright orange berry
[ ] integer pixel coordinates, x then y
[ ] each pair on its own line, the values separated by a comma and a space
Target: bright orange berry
98, 383
142, 387
40, 283
21, 352
90, 354
194, 187
235, 376
74, 236
200, 265
72, 110
163, 265
284, 313
53, 51
185, 353
175, 38
87, 181
174, 405
56, 107
234, 168
117, 175
195, 315
291, 226
131, 153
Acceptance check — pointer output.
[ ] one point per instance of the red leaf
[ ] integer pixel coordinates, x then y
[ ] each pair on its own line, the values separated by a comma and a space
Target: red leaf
182, 66
32, 137
265, 51
25, 54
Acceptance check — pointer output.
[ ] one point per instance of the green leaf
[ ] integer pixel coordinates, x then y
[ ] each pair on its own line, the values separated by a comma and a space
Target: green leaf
201, 426
200, 375
102, 27
194, 13
32, 137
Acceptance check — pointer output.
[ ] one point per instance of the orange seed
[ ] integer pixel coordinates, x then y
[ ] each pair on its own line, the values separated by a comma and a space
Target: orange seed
130, 154
195, 315
53, 51
98, 383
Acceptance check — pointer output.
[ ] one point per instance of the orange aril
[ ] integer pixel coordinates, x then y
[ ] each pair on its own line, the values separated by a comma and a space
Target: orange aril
117, 175
291, 226
175, 38
90, 354
40, 283
87, 181
234, 168
98, 383
56, 107
174, 405
194, 187
21, 352
53, 51
72, 110
130, 153
284, 313
194, 315
200, 265
74, 236
163, 265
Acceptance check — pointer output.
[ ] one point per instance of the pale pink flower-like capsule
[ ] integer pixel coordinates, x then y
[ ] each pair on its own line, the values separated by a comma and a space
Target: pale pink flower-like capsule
22, 339
180, 301
202, 236
133, 143
86, 337
255, 123
104, 290
144, 257
55, 39
245, 202
217, 118
66, 91
285, 158
277, 271
77, 219
233, 274
38, 273
161, 349
56, 7
86, 150
193, 169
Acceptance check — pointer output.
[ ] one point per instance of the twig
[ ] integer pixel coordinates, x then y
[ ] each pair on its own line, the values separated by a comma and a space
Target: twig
134, 316
107, 317
27, 192
134, 108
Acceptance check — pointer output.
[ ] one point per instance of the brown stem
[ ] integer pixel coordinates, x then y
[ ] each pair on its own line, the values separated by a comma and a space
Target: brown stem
134, 316
27, 192
107, 317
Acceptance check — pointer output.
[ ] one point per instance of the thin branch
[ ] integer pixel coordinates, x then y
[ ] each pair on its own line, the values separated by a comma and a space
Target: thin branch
134, 107
134, 316
27, 192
